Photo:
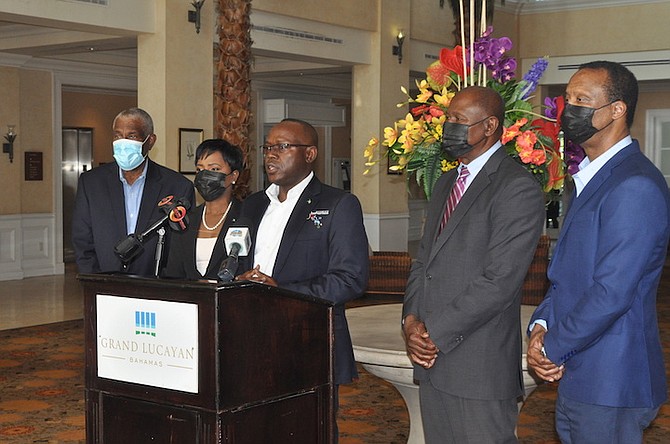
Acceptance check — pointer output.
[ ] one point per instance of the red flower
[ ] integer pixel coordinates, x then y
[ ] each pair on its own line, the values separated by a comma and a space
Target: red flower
451, 61
547, 128
526, 140
513, 131
435, 111
555, 170
419, 110
560, 105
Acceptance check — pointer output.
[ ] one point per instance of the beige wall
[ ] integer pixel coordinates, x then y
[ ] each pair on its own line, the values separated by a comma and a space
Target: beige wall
430, 23
11, 174
596, 31
374, 108
97, 111
36, 129
359, 14
175, 86
26, 103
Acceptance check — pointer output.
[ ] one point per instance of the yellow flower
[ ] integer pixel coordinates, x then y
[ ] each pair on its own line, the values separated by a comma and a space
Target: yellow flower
444, 99
425, 92
448, 165
390, 135
369, 152
406, 141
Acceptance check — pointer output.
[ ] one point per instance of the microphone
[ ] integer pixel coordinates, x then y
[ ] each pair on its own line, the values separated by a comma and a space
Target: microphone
238, 243
175, 214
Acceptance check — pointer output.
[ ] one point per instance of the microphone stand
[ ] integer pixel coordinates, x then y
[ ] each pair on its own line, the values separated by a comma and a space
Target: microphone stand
130, 247
159, 250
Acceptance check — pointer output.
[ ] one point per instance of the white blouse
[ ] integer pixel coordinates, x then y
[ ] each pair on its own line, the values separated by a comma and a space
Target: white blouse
204, 246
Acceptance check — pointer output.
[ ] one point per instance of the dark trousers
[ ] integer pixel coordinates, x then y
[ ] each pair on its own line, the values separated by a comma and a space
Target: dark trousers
451, 419
579, 423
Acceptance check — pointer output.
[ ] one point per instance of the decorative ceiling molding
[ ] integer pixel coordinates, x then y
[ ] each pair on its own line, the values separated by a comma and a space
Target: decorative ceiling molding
521, 7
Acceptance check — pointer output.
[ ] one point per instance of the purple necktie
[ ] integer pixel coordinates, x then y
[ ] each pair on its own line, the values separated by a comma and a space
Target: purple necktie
455, 196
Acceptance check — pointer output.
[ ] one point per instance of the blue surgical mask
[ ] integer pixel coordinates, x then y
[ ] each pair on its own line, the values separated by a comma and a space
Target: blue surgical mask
128, 153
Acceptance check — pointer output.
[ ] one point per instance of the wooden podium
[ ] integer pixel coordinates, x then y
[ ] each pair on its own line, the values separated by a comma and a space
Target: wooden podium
258, 369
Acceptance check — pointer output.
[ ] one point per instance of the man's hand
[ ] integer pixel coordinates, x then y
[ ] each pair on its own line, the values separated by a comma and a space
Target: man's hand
420, 348
542, 366
255, 275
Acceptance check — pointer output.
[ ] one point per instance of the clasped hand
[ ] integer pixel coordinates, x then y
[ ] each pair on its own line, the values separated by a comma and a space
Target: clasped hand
420, 347
255, 275
542, 365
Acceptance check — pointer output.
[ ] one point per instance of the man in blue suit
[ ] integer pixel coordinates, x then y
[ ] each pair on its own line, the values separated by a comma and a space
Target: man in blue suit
596, 330
308, 237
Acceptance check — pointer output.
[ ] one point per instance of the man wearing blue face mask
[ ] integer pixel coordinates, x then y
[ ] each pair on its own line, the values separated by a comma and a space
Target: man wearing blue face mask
121, 198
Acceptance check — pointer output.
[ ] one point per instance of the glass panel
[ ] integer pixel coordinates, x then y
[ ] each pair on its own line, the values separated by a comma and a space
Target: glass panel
665, 135
665, 161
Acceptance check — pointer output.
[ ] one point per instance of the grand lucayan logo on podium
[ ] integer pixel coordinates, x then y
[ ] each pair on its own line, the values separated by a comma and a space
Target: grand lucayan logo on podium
148, 341
145, 323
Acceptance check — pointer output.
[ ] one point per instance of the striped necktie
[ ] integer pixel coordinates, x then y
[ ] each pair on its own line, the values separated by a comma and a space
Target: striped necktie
455, 196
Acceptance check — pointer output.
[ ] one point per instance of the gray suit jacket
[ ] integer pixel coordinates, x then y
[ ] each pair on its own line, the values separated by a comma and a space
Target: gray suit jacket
466, 283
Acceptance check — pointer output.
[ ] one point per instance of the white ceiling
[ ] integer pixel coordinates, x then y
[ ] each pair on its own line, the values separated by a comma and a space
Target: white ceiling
50, 43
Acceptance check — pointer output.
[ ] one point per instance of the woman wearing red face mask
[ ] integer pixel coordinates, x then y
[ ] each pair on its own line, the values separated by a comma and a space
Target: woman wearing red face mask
198, 252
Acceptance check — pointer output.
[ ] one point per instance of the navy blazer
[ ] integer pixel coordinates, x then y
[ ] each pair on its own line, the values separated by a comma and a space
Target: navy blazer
604, 273
323, 253
181, 261
99, 217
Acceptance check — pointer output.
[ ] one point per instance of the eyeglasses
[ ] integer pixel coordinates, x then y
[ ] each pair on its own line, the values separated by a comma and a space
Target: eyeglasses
281, 147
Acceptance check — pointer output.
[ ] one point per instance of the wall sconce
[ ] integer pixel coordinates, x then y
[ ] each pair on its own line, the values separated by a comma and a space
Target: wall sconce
397, 49
9, 146
194, 16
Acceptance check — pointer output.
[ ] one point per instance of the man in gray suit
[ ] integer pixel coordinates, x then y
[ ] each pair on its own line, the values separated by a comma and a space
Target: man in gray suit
461, 319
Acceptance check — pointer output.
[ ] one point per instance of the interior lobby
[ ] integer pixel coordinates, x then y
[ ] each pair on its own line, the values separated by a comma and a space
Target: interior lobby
67, 67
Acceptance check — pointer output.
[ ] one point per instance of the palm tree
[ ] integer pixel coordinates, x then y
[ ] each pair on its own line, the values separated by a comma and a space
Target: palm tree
232, 95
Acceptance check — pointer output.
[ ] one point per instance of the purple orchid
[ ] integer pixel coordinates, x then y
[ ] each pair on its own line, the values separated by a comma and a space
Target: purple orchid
574, 154
551, 109
533, 76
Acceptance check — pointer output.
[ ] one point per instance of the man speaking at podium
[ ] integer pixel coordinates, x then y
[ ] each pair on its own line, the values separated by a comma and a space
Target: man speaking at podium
120, 198
307, 237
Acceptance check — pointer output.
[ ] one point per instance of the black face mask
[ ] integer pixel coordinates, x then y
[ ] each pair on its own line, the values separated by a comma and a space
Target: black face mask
455, 138
577, 122
210, 184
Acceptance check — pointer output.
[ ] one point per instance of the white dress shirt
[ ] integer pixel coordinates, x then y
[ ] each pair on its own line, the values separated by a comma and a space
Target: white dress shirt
477, 164
273, 224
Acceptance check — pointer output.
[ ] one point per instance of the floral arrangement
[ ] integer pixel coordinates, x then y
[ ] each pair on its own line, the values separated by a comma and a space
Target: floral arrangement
413, 144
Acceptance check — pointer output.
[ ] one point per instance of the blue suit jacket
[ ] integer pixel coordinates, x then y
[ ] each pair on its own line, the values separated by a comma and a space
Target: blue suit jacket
99, 218
325, 255
601, 305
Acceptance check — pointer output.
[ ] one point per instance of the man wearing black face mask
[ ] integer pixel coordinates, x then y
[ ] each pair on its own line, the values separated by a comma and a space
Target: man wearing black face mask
198, 252
461, 309
596, 331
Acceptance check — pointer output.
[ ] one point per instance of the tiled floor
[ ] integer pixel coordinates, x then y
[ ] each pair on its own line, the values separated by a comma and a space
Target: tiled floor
41, 300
